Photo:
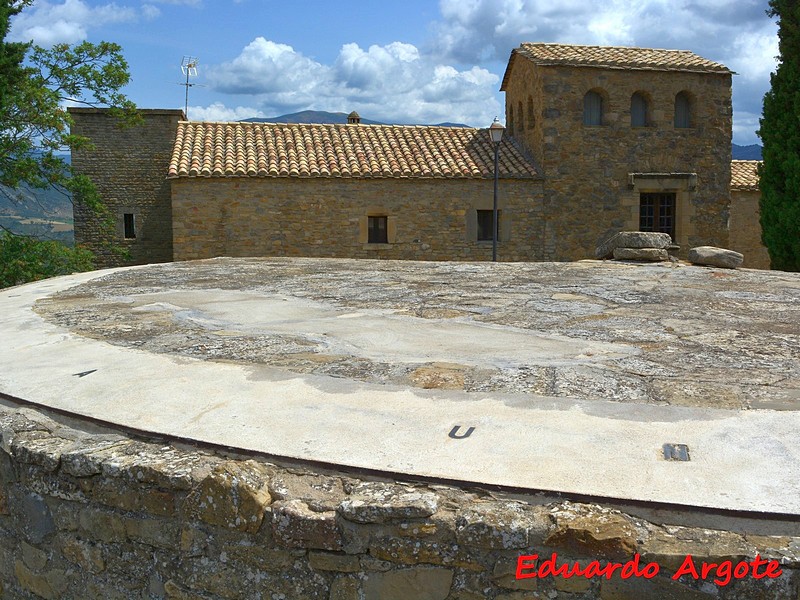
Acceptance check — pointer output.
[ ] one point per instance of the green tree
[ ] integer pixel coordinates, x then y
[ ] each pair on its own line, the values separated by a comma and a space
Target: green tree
779, 175
35, 85
23, 259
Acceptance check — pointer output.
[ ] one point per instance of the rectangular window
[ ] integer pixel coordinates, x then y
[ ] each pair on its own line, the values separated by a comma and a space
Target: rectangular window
130, 226
485, 222
377, 230
657, 213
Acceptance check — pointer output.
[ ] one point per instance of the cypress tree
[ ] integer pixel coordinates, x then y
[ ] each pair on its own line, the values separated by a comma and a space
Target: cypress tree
779, 175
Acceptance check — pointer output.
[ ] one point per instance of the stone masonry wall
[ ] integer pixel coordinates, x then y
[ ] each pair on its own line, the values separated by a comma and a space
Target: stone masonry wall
96, 514
587, 168
128, 166
745, 229
429, 219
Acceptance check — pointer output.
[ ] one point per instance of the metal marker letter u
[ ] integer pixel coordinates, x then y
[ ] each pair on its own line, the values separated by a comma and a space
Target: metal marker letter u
454, 433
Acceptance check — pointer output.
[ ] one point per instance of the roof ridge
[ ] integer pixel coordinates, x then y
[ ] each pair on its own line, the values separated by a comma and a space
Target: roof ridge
374, 125
604, 47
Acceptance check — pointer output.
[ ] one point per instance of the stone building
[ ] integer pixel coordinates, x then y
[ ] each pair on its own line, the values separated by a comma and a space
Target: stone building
128, 166
599, 140
744, 228
366, 191
627, 139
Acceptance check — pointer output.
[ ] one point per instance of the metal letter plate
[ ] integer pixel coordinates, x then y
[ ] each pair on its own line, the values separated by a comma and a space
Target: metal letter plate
676, 452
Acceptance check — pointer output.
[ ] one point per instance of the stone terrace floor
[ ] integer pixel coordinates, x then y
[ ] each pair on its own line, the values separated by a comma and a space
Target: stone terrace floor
577, 368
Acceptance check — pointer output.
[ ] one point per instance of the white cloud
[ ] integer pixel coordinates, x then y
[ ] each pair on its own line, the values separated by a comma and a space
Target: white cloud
265, 67
736, 33
150, 12
394, 82
440, 82
485, 29
219, 112
47, 23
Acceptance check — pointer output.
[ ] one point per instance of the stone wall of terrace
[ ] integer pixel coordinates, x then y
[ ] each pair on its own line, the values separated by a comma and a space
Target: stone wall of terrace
92, 513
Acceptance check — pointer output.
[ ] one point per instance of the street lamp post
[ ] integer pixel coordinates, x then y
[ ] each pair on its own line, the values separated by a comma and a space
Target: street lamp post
496, 134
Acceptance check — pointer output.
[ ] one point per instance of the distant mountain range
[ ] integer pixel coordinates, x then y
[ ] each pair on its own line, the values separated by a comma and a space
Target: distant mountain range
45, 213
751, 152
327, 118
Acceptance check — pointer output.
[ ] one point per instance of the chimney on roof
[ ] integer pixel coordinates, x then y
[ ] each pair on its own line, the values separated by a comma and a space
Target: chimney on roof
353, 118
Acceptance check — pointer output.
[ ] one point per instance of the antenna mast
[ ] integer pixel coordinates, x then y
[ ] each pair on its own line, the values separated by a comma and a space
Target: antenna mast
188, 68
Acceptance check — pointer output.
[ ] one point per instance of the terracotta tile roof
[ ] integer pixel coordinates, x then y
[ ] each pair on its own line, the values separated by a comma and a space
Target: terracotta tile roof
744, 175
311, 150
611, 57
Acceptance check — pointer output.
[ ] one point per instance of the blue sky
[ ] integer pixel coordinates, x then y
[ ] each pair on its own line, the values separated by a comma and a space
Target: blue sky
416, 61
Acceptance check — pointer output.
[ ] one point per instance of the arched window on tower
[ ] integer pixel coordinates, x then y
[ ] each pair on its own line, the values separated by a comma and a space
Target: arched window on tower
592, 108
683, 110
510, 123
521, 117
639, 110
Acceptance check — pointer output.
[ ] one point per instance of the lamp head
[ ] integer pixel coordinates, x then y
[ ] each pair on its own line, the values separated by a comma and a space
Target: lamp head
496, 130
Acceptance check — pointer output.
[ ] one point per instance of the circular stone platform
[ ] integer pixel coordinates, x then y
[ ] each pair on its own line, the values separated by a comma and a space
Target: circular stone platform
568, 377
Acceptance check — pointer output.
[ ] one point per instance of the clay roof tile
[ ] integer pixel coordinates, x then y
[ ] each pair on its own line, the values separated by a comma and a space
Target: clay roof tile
744, 175
311, 150
613, 57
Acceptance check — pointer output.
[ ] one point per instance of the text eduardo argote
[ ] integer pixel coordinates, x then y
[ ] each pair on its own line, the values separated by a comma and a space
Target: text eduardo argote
529, 566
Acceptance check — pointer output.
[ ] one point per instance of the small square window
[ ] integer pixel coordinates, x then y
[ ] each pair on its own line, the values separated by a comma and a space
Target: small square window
129, 224
485, 223
377, 230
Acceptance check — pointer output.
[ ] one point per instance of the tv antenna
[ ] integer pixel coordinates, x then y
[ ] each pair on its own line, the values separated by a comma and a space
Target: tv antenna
188, 68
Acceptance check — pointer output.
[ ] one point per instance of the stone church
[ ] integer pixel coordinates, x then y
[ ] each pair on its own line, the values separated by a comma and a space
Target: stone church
598, 140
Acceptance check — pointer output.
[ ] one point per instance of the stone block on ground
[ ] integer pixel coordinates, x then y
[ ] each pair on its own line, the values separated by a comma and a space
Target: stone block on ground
591, 530
648, 254
232, 495
500, 526
633, 239
381, 503
715, 257
295, 525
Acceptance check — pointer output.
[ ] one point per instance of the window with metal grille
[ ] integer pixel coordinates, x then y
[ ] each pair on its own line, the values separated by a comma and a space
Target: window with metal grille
377, 230
638, 110
129, 225
592, 109
485, 222
657, 212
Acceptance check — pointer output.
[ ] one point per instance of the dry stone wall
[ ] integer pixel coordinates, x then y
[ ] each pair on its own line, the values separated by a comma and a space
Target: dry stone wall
98, 514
